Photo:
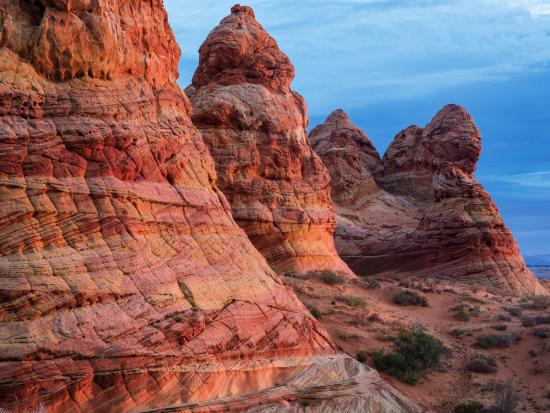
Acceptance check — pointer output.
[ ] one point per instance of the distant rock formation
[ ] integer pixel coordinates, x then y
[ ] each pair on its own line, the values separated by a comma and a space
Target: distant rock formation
420, 210
125, 284
255, 127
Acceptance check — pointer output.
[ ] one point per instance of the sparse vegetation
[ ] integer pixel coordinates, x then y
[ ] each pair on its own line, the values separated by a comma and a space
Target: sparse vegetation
463, 312
415, 352
351, 300
315, 312
328, 277
506, 399
514, 311
348, 335
482, 364
536, 302
370, 283
503, 317
362, 356
542, 332
495, 340
470, 407
543, 319
407, 298
528, 321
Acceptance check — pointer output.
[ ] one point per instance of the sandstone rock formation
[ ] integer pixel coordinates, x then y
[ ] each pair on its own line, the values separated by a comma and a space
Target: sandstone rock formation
255, 127
419, 211
125, 284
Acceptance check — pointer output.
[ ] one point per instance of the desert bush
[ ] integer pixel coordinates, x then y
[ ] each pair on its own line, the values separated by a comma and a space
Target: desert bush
362, 356
528, 321
495, 340
470, 407
315, 312
536, 302
503, 317
482, 364
542, 332
500, 327
543, 319
351, 300
348, 335
414, 352
514, 311
370, 283
328, 277
463, 312
407, 297
506, 399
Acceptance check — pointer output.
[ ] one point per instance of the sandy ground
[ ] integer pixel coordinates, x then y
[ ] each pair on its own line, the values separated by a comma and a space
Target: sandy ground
374, 327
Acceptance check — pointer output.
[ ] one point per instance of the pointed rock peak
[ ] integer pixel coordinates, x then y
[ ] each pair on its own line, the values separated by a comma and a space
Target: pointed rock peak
338, 116
454, 137
237, 8
451, 116
239, 50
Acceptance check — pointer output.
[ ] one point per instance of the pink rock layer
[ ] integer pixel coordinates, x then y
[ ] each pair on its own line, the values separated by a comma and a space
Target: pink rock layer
125, 284
255, 128
419, 211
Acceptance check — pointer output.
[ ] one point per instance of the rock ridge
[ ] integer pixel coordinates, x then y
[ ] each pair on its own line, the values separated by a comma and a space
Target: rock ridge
419, 211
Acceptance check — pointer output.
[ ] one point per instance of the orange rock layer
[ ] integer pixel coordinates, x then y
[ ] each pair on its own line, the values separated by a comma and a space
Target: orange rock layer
419, 211
125, 284
255, 128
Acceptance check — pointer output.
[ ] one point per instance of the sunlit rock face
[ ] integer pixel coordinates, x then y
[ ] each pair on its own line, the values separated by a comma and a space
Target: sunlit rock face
125, 284
255, 127
419, 211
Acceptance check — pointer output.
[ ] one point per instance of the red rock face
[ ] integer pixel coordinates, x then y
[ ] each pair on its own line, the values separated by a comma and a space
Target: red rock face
420, 210
125, 284
254, 126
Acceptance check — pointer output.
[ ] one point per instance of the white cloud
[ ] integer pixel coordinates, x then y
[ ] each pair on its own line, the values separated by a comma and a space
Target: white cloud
356, 52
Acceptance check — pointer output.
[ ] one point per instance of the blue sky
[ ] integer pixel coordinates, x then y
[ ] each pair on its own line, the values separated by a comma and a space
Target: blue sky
392, 63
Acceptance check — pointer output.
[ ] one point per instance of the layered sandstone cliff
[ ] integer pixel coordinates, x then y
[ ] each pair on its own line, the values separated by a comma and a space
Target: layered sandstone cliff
125, 284
255, 127
419, 211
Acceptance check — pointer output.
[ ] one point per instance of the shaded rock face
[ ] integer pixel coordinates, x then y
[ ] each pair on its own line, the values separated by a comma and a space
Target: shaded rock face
125, 284
419, 211
255, 128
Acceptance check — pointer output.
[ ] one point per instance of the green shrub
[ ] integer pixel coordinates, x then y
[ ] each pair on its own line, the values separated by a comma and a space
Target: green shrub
536, 302
328, 277
415, 352
543, 319
351, 300
463, 312
470, 407
482, 364
370, 283
315, 312
506, 399
495, 340
500, 327
407, 297
362, 356
514, 311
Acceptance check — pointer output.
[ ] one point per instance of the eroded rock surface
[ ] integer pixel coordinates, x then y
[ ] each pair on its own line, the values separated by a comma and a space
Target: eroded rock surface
125, 284
255, 128
419, 211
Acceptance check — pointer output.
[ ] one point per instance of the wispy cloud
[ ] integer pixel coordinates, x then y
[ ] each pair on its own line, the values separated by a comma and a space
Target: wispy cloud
537, 180
352, 52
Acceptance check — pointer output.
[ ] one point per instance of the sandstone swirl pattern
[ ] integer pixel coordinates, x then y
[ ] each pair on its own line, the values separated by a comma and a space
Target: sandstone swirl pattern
125, 284
255, 128
419, 211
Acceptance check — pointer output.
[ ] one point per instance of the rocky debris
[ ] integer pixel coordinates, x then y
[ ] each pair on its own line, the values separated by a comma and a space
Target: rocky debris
255, 127
419, 211
125, 284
